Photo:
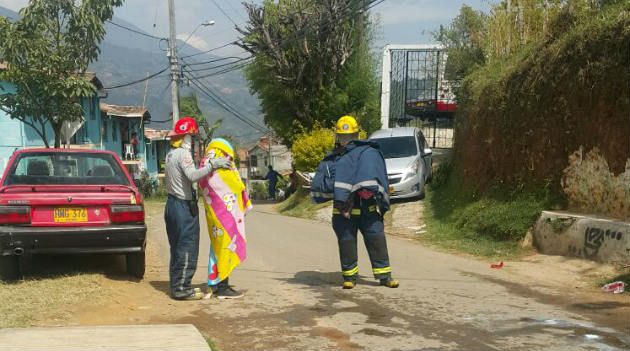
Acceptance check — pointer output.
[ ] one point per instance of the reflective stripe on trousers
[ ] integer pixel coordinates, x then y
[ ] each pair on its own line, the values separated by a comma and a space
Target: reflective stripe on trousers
183, 237
370, 223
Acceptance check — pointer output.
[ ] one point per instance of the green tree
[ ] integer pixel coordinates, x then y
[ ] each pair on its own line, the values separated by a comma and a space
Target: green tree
463, 40
47, 52
312, 63
189, 107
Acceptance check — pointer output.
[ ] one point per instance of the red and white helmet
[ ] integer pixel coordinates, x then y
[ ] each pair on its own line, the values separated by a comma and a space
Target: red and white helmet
186, 125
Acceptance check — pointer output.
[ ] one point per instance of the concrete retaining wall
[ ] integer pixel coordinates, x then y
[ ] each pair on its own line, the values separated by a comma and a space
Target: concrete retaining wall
589, 237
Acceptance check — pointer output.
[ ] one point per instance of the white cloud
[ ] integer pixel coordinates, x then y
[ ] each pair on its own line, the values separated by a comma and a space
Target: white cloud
195, 41
14, 5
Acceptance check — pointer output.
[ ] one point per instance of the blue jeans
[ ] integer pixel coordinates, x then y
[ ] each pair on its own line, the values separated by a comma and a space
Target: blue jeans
272, 189
183, 237
370, 223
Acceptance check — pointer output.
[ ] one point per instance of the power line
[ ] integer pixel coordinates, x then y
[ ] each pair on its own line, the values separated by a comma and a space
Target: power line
211, 50
137, 81
225, 105
136, 31
211, 61
218, 66
228, 70
224, 13
229, 3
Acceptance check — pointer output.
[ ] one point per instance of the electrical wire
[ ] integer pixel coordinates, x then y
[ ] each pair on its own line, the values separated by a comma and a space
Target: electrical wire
218, 66
225, 105
228, 70
138, 81
211, 50
211, 61
224, 13
229, 3
136, 31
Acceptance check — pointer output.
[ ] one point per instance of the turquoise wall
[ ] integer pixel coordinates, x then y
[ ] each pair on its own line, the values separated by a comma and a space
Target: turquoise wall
18, 135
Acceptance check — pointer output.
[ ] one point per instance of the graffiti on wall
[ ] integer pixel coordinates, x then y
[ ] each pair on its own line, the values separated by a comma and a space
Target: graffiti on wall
593, 239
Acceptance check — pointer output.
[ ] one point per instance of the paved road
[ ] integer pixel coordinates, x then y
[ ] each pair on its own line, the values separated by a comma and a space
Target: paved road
294, 300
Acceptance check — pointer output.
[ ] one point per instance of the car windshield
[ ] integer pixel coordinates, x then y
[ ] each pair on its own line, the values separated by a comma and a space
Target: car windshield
65, 168
397, 147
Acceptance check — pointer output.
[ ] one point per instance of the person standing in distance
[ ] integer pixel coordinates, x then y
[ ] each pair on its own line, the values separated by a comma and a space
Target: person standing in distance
272, 176
181, 213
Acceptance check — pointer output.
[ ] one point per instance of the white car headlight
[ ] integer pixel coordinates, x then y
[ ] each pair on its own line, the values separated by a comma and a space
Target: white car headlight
413, 169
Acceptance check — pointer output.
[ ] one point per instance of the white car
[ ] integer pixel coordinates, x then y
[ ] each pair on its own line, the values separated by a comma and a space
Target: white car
408, 159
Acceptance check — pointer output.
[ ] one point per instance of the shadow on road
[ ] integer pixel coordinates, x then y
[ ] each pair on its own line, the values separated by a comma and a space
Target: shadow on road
164, 287
51, 266
161, 286
323, 279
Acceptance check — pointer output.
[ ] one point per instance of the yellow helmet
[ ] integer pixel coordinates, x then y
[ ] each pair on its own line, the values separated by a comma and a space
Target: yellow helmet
222, 145
347, 125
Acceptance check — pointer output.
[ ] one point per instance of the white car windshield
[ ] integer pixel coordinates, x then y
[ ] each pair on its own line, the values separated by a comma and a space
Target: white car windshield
397, 147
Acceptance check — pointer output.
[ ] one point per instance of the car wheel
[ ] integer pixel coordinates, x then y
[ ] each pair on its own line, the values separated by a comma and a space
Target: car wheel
9, 267
422, 195
136, 264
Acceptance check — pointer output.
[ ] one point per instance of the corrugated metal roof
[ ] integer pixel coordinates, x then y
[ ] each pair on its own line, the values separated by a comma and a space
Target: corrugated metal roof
125, 111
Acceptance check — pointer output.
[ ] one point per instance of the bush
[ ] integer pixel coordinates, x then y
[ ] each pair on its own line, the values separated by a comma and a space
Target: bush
310, 148
259, 191
147, 185
591, 187
502, 213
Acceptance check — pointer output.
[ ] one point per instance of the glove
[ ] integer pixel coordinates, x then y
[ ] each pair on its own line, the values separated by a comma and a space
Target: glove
220, 163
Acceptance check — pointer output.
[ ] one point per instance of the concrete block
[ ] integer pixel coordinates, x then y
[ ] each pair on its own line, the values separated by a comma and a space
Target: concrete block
590, 237
116, 337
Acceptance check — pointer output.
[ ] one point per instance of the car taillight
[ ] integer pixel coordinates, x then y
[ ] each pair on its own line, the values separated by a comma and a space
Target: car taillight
127, 213
15, 214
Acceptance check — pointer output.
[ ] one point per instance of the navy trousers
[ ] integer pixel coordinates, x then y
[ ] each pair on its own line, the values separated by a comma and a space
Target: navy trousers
272, 189
370, 223
182, 229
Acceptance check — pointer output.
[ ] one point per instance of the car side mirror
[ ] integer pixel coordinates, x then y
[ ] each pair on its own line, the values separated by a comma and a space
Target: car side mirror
428, 151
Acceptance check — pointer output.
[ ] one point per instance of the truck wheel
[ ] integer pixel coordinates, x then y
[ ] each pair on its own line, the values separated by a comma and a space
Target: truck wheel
136, 264
9, 267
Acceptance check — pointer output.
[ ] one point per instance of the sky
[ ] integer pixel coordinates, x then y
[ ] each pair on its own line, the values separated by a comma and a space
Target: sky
401, 21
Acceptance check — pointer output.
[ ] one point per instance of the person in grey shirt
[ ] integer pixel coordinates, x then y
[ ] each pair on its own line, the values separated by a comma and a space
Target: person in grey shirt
181, 213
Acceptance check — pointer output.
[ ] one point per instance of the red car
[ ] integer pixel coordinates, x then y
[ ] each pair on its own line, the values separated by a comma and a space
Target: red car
63, 201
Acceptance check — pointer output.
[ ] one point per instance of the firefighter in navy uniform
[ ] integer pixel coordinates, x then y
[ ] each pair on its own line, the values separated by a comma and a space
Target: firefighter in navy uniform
354, 176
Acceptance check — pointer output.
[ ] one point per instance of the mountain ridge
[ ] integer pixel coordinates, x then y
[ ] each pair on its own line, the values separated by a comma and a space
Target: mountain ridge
127, 57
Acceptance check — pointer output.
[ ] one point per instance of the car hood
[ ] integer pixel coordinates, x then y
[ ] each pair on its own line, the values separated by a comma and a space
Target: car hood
399, 165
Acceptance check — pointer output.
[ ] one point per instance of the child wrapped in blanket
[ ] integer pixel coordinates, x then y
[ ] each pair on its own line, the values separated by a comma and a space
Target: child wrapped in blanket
226, 202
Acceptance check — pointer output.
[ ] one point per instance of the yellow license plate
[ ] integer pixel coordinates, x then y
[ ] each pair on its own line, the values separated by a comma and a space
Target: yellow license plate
391, 189
70, 214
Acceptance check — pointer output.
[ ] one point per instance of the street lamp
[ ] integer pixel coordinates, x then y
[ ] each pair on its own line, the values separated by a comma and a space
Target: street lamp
204, 24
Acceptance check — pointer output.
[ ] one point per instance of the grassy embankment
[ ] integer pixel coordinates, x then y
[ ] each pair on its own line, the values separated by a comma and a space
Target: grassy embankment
492, 225
518, 122
299, 205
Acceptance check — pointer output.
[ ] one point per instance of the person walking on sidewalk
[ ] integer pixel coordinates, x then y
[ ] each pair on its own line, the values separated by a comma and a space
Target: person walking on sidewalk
181, 213
354, 176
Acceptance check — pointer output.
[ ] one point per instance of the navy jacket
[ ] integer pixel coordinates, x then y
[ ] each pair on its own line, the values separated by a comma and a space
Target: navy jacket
358, 165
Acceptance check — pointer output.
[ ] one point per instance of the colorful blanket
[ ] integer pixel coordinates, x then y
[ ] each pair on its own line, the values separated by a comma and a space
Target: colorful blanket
226, 203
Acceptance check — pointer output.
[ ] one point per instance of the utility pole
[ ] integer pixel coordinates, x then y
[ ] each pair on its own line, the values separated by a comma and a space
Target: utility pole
269, 144
172, 55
